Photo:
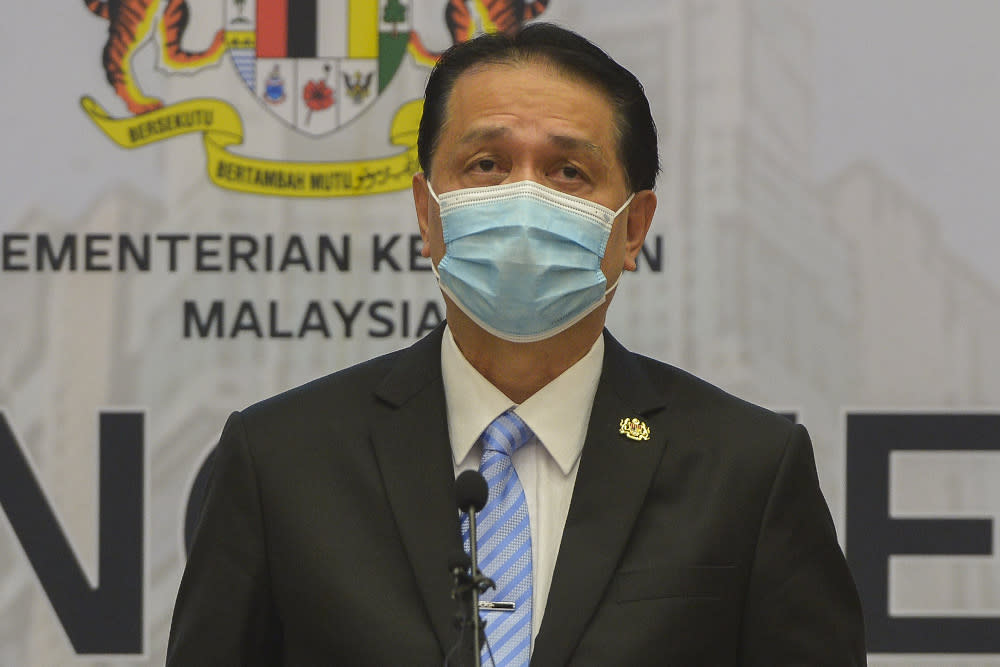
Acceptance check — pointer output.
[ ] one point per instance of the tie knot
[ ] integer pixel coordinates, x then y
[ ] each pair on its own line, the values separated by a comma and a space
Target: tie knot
506, 434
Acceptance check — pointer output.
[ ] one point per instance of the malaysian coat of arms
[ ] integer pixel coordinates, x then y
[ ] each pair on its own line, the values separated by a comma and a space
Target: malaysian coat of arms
315, 65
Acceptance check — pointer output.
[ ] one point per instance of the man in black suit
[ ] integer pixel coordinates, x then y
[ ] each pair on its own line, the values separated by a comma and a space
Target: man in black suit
671, 523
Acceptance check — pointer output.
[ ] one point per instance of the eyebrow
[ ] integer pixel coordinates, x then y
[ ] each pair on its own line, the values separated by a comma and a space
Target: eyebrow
576, 144
483, 134
562, 141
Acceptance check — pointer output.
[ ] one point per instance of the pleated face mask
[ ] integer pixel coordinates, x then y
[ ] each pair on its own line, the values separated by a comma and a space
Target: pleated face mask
523, 261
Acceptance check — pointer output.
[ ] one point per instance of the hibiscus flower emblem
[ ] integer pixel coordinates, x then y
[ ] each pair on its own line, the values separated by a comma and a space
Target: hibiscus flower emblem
317, 94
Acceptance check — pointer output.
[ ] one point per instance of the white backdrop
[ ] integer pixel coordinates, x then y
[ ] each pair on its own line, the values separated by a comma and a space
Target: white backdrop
825, 244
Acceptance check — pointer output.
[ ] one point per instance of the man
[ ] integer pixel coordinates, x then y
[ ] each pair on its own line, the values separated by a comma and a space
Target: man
667, 523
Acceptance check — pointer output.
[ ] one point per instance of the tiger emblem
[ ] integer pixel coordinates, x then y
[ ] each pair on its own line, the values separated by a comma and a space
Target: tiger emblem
467, 18
130, 25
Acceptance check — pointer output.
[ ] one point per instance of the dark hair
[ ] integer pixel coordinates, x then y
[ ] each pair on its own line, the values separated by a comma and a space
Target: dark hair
573, 55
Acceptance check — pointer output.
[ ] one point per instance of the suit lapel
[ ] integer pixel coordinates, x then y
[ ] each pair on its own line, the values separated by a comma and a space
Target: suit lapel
410, 438
614, 476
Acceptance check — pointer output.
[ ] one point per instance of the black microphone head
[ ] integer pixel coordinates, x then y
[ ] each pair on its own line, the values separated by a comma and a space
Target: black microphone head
471, 491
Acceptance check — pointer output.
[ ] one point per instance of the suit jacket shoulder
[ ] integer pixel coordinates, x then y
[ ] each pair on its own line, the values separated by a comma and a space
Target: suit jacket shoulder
328, 525
711, 536
392, 377
723, 421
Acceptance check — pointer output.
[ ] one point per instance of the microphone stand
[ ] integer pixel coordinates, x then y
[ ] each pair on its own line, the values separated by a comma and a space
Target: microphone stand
469, 582
477, 622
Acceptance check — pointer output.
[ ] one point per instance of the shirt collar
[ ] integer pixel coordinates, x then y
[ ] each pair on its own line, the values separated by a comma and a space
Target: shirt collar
558, 413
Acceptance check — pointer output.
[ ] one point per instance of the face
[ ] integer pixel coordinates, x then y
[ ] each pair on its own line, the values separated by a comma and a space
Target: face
515, 122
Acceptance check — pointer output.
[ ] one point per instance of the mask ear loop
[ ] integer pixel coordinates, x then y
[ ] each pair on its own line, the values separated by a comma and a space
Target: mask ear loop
617, 213
613, 285
613, 218
434, 194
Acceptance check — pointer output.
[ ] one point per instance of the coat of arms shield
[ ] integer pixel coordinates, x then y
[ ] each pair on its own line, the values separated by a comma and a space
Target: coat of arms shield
317, 64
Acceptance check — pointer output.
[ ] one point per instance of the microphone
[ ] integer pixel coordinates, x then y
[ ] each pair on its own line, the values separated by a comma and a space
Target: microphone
471, 493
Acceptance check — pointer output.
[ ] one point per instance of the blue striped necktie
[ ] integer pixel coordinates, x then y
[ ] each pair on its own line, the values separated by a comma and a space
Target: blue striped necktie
505, 543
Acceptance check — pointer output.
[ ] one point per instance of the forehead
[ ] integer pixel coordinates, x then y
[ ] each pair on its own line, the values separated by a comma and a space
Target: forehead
532, 95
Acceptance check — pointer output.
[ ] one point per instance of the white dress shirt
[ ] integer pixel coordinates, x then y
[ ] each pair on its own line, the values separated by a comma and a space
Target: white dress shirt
558, 415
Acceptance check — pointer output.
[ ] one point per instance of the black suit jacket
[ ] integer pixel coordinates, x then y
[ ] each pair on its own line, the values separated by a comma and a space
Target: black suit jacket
330, 520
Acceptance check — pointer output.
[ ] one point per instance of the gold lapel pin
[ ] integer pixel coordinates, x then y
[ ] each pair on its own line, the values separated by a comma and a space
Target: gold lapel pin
633, 428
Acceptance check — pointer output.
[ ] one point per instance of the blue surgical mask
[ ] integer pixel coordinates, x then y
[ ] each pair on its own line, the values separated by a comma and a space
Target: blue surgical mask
523, 261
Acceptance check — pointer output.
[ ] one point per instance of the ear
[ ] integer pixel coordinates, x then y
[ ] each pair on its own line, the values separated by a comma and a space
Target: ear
420, 199
640, 217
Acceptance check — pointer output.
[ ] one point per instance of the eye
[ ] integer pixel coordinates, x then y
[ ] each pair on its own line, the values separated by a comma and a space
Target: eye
570, 172
484, 168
